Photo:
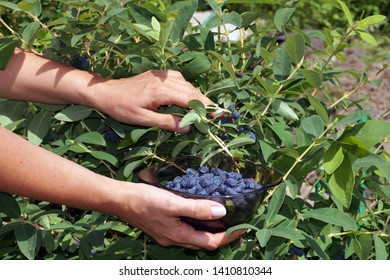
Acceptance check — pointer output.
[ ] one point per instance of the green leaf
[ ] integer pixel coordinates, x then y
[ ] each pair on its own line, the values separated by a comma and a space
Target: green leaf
30, 31
355, 146
136, 134
333, 158
189, 119
39, 127
198, 107
314, 78
105, 157
276, 203
240, 141
314, 245
341, 182
222, 86
130, 167
7, 47
380, 249
183, 11
27, 238
26, 6
266, 149
201, 126
347, 12
49, 242
77, 36
319, 108
228, 66
282, 16
295, 47
372, 132
283, 132
241, 226
180, 146
73, 113
263, 235
166, 28
352, 118
94, 138
365, 241
201, 64
313, 125
287, 233
332, 216
284, 110
367, 37
233, 18
374, 160
9, 206
10, 5
371, 20
282, 65
96, 238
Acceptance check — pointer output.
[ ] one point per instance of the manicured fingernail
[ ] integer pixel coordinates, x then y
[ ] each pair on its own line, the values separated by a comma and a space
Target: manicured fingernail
182, 129
217, 212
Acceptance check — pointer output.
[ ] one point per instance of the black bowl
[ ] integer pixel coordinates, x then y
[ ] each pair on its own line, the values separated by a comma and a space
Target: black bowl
240, 208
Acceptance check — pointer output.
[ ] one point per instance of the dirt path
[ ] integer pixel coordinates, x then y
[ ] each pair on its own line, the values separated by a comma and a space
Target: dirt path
375, 98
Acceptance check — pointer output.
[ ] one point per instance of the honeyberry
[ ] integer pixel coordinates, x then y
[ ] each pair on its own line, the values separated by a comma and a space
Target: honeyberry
212, 181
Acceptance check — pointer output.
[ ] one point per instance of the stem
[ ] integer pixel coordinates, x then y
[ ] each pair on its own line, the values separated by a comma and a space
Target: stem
281, 87
300, 158
16, 34
336, 49
220, 143
166, 161
348, 94
359, 233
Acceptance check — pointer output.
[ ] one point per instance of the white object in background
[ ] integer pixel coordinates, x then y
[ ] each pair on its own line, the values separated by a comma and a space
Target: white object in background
234, 33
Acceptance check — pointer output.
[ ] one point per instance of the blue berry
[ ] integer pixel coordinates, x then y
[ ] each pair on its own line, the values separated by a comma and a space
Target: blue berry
205, 182
191, 171
184, 183
204, 169
252, 135
111, 136
231, 182
236, 115
235, 175
243, 128
212, 181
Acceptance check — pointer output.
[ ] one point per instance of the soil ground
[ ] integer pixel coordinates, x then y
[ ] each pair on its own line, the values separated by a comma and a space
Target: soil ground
377, 99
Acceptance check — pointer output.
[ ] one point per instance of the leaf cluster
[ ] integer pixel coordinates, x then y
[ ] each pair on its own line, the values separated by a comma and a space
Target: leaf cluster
287, 119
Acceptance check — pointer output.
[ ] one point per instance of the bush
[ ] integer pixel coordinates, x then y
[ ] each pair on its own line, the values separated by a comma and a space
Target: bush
280, 91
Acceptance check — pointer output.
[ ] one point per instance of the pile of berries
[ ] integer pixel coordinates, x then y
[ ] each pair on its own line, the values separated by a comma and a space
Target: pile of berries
212, 182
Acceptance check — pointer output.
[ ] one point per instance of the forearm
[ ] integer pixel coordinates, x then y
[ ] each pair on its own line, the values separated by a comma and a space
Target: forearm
31, 171
35, 78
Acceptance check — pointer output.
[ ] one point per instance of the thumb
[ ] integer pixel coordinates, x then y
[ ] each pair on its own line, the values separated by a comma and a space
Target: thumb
201, 209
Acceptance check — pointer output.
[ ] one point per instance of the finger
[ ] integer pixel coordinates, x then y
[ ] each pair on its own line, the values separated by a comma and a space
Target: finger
176, 90
198, 209
189, 237
164, 121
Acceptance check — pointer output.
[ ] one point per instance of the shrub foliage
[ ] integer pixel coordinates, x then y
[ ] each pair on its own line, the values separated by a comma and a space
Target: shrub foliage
280, 90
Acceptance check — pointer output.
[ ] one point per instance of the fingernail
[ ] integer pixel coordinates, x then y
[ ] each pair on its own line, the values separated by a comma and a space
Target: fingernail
217, 212
182, 129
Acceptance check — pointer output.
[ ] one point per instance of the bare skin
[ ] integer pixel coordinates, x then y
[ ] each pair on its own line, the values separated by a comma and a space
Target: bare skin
46, 176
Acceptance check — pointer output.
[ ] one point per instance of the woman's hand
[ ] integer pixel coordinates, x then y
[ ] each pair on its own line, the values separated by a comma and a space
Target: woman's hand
130, 100
156, 212
135, 100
